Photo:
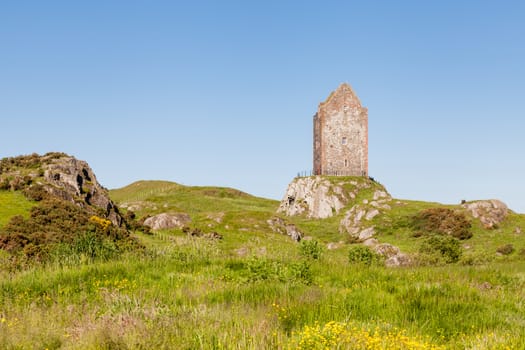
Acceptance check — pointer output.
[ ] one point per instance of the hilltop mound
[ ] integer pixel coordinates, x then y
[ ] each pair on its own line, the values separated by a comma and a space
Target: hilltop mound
64, 200
360, 210
58, 175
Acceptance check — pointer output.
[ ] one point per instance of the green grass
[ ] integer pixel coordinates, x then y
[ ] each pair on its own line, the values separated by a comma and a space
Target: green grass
190, 294
255, 289
13, 203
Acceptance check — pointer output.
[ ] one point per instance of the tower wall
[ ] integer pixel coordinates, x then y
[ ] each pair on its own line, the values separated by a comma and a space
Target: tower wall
341, 135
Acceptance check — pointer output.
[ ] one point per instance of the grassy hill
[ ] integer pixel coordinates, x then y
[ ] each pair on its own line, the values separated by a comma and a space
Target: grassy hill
258, 289
13, 203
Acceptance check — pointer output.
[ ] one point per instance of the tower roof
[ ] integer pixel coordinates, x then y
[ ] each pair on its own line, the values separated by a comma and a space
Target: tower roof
343, 93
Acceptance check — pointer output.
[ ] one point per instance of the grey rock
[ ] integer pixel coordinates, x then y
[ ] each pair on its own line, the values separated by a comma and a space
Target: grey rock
315, 196
387, 250
372, 214
167, 221
398, 260
366, 233
393, 256
489, 212
73, 180
334, 245
371, 242
279, 225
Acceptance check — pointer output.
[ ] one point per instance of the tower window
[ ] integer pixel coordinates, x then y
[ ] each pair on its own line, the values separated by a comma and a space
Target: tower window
344, 141
346, 162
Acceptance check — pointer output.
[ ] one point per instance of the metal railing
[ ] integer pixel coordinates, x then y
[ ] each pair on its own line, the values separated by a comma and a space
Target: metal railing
308, 173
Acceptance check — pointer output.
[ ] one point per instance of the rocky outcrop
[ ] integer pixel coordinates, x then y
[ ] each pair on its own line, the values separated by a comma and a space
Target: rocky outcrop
354, 221
314, 196
167, 221
73, 180
319, 197
278, 225
489, 212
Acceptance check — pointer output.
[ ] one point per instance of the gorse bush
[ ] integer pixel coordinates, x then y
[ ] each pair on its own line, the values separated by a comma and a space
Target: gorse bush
442, 221
311, 249
55, 222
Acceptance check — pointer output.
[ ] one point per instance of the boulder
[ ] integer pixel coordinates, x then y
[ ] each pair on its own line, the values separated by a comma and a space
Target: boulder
166, 221
398, 260
393, 256
334, 245
279, 225
489, 212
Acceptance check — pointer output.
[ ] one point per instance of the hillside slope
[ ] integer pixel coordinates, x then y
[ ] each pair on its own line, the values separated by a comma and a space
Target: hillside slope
336, 211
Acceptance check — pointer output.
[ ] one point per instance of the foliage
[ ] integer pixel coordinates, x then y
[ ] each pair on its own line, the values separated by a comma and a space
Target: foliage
362, 255
444, 247
261, 269
35, 192
55, 222
442, 221
311, 249
506, 249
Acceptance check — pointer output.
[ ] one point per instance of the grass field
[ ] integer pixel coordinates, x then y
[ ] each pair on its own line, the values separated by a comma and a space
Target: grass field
255, 289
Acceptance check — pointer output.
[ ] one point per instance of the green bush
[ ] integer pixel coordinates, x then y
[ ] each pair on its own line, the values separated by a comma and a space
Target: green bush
445, 247
311, 249
262, 269
363, 255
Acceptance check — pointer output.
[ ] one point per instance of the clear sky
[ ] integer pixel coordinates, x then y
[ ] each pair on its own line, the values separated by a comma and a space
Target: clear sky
223, 92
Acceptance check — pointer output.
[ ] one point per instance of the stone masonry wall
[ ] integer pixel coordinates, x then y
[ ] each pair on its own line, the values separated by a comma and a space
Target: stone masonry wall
341, 135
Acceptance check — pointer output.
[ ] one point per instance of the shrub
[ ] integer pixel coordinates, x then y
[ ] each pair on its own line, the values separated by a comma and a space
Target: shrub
363, 255
506, 249
446, 247
35, 193
480, 258
442, 221
262, 269
55, 222
311, 249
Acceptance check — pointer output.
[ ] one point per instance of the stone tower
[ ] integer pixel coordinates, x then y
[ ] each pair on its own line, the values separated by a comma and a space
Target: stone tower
341, 135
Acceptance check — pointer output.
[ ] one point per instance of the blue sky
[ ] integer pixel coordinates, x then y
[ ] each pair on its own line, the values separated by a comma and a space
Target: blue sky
223, 92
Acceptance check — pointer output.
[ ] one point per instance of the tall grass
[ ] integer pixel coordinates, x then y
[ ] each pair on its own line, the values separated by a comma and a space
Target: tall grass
193, 295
